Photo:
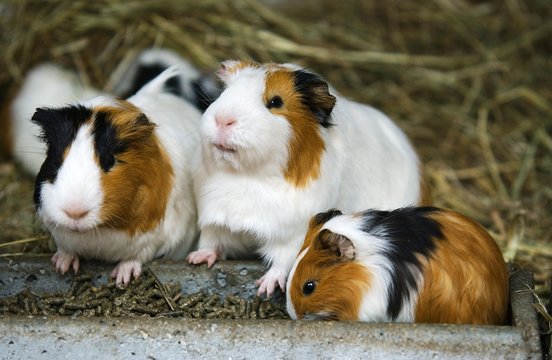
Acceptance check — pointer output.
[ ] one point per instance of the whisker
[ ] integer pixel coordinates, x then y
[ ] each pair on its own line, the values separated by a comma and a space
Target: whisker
38, 152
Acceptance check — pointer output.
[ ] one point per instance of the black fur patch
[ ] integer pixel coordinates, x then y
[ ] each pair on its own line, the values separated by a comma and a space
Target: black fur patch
203, 97
410, 231
315, 96
106, 142
59, 127
146, 73
323, 217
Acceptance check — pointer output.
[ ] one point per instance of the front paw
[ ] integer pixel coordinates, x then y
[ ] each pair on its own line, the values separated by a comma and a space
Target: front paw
269, 281
125, 271
202, 256
62, 261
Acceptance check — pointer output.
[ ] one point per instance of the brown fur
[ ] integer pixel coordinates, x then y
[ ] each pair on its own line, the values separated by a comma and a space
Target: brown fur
426, 196
466, 281
306, 145
340, 282
314, 229
6, 136
136, 195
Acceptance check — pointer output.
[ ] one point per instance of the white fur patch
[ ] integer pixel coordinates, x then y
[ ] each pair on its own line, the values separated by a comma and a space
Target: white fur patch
76, 188
289, 304
259, 138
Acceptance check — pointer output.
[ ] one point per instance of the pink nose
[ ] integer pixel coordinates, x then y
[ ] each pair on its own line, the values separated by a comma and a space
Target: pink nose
223, 121
76, 213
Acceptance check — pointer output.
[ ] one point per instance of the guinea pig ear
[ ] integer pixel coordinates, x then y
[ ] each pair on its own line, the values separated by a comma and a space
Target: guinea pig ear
337, 244
227, 70
42, 117
60, 123
323, 217
315, 95
140, 129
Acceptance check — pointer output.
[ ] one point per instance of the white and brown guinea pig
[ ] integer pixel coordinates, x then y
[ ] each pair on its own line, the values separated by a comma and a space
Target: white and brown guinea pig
45, 85
277, 147
413, 264
116, 182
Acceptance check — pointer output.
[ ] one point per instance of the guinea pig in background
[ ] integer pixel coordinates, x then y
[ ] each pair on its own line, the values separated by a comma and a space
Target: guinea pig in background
116, 182
45, 85
423, 264
278, 147
197, 88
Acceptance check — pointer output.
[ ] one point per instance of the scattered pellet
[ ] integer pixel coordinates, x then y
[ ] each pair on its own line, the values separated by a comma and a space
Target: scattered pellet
145, 310
190, 300
144, 297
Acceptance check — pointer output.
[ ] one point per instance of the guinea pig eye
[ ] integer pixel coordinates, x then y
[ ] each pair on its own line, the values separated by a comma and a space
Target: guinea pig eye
309, 287
275, 102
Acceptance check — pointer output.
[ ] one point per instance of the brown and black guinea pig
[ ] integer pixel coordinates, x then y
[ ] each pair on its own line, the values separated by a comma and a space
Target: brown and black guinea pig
413, 264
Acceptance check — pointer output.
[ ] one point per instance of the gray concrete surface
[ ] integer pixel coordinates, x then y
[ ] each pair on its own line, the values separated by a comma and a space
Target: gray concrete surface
155, 338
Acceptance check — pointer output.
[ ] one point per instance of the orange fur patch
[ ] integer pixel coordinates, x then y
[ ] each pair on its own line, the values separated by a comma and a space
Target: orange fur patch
312, 232
137, 188
339, 283
466, 281
306, 145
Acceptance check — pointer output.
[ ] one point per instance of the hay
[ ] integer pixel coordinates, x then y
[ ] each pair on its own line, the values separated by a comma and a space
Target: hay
469, 82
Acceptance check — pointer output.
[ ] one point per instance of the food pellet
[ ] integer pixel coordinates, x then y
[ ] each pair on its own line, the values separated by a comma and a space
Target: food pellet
144, 297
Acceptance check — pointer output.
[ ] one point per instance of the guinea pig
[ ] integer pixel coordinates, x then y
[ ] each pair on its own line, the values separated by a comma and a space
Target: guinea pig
276, 147
414, 264
45, 85
196, 87
116, 183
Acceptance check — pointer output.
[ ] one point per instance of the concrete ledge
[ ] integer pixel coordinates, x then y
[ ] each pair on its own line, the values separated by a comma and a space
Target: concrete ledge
173, 338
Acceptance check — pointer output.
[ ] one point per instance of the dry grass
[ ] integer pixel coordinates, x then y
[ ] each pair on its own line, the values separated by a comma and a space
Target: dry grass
468, 81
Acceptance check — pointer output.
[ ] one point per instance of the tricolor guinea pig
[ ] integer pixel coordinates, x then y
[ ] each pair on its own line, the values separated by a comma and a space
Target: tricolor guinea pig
116, 183
276, 147
413, 264
45, 85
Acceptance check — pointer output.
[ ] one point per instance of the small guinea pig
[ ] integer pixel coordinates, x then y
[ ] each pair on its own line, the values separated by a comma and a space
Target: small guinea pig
197, 88
116, 183
276, 147
45, 85
423, 264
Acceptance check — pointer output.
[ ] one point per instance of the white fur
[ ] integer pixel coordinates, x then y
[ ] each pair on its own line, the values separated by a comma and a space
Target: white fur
289, 304
78, 182
243, 195
47, 85
77, 186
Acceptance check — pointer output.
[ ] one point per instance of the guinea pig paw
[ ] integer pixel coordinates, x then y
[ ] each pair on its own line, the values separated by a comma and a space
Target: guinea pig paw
202, 256
62, 261
125, 271
270, 281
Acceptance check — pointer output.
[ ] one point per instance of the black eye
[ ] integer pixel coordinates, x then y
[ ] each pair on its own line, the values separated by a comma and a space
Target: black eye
276, 102
309, 287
